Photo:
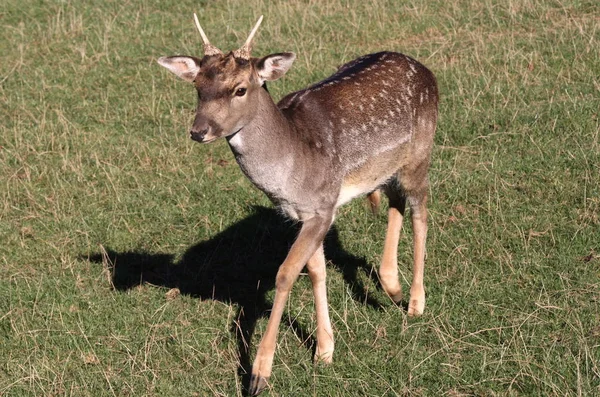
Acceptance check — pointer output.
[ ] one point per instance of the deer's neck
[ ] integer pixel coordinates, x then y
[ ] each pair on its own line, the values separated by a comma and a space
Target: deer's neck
264, 148
268, 126
279, 159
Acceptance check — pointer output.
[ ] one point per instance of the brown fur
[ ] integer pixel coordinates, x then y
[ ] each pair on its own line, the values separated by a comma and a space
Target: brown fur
368, 127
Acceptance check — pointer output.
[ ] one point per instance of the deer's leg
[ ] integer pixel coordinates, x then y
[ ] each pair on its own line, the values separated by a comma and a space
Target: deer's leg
374, 201
418, 211
309, 239
317, 274
388, 271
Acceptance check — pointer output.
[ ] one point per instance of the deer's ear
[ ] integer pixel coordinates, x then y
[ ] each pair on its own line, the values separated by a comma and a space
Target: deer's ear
184, 67
274, 66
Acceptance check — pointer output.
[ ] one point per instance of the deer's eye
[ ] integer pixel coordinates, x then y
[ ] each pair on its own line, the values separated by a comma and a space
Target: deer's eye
240, 92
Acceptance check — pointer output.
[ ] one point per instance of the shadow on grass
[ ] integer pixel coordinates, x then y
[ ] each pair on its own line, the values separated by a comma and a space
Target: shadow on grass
237, 266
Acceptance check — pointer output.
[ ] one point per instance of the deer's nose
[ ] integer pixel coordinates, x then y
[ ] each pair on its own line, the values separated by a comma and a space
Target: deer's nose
198, 136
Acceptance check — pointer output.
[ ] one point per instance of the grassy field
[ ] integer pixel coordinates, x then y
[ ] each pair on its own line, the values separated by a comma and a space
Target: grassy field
107, 206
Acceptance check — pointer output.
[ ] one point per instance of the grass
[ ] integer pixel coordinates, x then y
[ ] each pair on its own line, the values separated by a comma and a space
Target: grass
106, 206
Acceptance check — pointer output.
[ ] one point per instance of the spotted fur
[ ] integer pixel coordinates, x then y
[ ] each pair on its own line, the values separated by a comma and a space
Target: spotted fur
368, 127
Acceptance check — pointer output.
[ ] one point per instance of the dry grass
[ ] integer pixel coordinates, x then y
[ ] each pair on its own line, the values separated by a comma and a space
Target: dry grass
133, 261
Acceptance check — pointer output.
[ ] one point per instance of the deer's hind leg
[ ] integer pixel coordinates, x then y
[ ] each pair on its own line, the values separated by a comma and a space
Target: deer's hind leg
418, 213
388, 271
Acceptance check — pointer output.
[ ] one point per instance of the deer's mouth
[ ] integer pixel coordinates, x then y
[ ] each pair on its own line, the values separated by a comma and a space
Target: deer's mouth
199, 137
208, 136
204, 136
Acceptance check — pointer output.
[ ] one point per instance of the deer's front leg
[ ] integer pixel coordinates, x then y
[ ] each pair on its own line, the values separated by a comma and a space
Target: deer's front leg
309, 239
317, 274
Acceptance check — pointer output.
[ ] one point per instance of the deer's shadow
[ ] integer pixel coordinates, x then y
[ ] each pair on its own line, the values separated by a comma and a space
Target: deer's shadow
237, 266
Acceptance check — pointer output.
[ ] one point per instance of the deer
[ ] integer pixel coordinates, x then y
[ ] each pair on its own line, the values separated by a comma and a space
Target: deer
367, 129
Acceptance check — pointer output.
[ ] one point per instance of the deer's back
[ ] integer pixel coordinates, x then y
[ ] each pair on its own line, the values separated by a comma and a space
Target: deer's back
373, 116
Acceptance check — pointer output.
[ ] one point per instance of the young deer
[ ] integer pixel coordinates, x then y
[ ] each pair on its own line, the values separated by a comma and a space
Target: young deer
370, 126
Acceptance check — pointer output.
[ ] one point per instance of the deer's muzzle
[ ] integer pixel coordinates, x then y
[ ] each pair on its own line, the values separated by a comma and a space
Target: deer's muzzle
198, 136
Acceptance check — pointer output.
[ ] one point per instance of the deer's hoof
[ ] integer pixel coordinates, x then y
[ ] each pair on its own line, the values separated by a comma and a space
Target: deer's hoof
323, 356
257, 384
396, 297
416, 307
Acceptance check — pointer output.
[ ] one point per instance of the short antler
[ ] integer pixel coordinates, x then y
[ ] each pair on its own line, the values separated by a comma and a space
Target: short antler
209, 49
246, 49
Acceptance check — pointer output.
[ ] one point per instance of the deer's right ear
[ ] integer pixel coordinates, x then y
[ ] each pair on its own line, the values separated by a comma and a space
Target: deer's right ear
184, 67
274, 66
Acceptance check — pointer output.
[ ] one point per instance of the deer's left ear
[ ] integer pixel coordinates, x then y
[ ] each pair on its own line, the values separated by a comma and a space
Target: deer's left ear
274, 66
184, 67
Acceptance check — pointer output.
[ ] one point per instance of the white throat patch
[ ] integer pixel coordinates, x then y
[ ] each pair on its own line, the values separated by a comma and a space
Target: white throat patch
236, 141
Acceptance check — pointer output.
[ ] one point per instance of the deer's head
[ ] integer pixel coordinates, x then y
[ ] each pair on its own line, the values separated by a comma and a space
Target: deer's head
228, 85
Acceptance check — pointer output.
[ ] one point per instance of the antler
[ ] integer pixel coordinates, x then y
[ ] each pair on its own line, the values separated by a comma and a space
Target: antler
245, 50
209, 49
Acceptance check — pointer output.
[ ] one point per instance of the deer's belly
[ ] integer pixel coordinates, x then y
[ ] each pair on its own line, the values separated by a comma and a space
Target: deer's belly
371, 175
349, 192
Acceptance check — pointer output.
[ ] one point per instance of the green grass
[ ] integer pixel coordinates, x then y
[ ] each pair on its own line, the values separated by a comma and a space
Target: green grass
106, 205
